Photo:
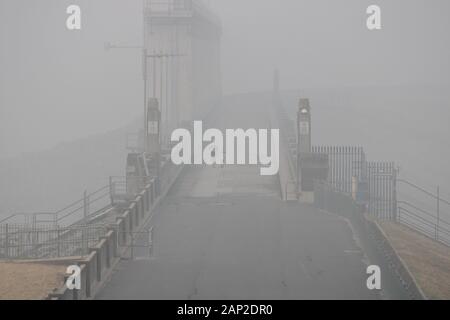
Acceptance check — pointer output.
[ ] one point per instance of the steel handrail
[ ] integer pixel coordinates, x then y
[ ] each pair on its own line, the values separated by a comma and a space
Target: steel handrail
424, 191
428, 223
423, 211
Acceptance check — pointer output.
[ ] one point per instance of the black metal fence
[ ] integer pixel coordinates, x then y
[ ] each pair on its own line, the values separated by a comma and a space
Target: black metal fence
345, 163
381, 178
350, 173
376, 180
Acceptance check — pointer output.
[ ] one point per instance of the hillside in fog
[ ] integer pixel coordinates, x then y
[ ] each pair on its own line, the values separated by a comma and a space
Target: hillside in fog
48, 180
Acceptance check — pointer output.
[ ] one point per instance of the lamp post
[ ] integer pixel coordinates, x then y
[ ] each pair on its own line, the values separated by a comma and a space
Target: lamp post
145, 57
161, 56
109, 46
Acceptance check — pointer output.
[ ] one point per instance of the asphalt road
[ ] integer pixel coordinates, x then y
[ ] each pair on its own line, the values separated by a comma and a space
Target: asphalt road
224, 233
243, 246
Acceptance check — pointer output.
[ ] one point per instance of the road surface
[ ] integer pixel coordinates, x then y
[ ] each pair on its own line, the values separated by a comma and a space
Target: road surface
224, 233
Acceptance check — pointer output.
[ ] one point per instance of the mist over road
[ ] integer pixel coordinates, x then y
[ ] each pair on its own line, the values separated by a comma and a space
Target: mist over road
224, 233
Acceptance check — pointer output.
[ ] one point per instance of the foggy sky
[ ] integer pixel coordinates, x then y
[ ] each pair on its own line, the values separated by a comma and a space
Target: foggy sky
57, 85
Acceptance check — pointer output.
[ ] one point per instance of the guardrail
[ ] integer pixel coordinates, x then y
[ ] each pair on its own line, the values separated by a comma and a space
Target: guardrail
46, 242
72, 229
121, 238
179, 7
416, 214
419, 222
85, 208
168, 6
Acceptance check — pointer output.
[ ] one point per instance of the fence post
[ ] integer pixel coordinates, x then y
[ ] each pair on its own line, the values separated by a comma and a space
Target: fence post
130, 218
59, 241
132, 247
111, 190
394, 194
84, 242
438, 218
85, 204
88, 279
99, 264
108, 252
124, 232
7, 241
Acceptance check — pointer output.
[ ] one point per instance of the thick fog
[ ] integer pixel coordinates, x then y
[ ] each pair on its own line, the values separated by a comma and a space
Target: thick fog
326, 43
58, 86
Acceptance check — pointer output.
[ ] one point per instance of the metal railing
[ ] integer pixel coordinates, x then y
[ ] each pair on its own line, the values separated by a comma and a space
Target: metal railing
77, 211
84, 208
126, 188
89, 206
417, 214
345, 163
180, 8
168, 7
18, 241
69, 231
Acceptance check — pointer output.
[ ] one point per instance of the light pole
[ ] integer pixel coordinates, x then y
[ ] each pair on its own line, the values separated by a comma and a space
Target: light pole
154, 57
109, 46
163, 69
